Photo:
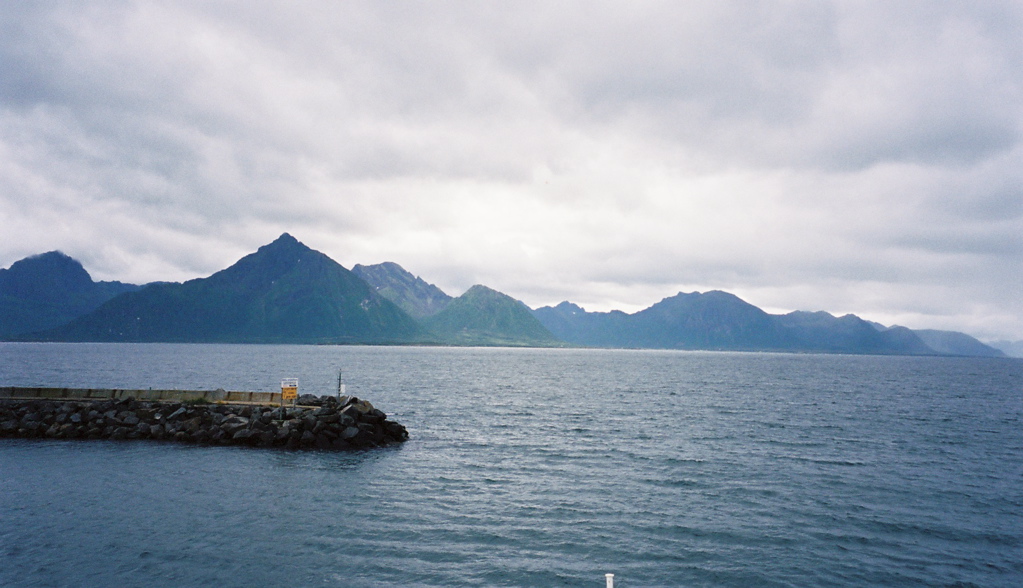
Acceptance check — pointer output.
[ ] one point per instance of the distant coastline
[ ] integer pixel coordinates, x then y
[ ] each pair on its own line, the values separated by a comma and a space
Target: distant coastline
288, 293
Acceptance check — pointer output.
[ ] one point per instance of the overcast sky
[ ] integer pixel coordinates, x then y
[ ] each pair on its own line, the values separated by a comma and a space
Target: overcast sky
853, 157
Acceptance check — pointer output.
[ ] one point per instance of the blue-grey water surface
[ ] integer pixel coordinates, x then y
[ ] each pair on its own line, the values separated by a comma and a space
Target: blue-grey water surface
534, 467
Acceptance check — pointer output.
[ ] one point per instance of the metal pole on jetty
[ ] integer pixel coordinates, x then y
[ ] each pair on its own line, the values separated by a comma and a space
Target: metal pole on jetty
610, 580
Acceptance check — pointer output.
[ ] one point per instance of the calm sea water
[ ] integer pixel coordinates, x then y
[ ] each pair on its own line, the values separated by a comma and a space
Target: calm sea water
537, 468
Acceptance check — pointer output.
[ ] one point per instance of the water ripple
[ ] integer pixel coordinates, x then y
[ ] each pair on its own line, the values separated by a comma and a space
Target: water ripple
537, 468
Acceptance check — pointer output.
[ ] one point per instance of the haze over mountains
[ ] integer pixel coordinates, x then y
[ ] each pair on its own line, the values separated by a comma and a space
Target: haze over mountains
288, 293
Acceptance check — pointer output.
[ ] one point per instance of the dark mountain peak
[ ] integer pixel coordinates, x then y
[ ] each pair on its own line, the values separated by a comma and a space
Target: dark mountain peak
385, 271
482, 295
47, 290
479, 290
710, 295
570, 308
50, 256
808, 318
285, 240
702, 302
48, 270
681, 296
711, 320
282, 248
391, 267
268, 263
285, 244
720, 294
413, 294
819, 314
58, 257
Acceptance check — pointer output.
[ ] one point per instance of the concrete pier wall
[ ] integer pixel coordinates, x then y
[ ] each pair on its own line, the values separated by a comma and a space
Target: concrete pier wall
211, 396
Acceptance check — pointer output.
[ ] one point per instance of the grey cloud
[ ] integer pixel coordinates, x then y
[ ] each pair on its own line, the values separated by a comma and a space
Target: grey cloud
814, 85
602, 153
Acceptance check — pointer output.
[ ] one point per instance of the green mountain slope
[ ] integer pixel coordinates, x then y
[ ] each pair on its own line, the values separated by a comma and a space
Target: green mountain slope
411, 293
483, 316
283, 293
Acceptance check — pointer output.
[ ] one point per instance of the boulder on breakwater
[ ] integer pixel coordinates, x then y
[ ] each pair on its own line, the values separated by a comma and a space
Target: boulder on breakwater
327, 422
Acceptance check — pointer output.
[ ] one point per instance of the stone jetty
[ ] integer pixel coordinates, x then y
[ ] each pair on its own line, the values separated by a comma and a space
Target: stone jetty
327, 423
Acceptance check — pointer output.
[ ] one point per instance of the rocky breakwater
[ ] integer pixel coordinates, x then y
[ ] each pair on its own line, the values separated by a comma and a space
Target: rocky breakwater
321, 423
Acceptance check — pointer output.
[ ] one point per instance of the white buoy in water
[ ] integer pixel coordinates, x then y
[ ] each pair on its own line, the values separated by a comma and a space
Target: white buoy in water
610, 580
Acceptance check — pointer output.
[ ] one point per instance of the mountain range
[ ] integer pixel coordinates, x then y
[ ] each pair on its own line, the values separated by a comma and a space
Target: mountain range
283, 293
286, 292
722, 321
